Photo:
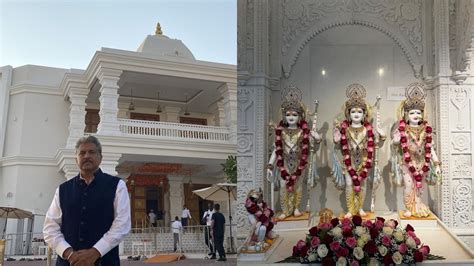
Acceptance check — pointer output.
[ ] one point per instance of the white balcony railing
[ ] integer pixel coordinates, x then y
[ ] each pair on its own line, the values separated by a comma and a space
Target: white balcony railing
132, 127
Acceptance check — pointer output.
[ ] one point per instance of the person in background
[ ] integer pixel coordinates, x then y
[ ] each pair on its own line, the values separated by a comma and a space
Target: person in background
207, 220
218, 229
152, 218
159, 218
176, 227
185, 216
90, 213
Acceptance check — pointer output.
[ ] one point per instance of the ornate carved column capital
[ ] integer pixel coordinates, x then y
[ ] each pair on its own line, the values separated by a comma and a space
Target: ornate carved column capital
77, 114
109, 77
229, 100
110, 162
108, 99
66, 159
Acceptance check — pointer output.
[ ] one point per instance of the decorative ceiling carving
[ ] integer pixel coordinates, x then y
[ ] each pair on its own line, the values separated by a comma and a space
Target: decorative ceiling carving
400, 20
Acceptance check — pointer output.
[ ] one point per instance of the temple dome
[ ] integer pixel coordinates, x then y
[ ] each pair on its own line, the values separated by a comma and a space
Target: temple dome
164, 46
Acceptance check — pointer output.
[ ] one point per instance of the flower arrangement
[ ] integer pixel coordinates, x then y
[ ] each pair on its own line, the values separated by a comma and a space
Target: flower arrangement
357, 177
354, 242
417, 175
290, 178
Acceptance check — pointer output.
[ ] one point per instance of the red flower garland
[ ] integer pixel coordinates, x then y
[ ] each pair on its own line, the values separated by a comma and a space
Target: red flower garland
263, 214
357, 177
290, 179
417, 175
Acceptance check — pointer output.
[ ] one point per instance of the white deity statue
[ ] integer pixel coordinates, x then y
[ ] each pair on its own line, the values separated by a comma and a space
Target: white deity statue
413, 156
292, 159
261, 222
358, 141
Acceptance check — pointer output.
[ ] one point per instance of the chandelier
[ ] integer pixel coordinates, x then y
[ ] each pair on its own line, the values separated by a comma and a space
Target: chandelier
131, 107
158, 107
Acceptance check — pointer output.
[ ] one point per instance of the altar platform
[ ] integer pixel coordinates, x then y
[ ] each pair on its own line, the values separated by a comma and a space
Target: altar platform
440, 239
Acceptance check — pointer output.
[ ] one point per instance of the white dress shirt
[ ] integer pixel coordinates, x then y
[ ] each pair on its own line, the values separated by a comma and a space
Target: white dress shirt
120, 226
176, 226
209, 214
186, 213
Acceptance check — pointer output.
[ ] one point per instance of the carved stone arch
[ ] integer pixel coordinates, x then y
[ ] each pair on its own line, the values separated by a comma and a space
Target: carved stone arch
289, 60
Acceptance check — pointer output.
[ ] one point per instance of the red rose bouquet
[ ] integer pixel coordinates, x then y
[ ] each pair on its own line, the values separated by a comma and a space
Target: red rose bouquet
354, 242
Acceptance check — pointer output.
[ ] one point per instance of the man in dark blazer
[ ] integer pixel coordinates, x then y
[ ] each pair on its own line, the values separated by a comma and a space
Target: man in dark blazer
90, 213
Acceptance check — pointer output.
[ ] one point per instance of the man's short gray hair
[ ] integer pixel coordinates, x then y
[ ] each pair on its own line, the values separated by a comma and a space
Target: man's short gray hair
89, 139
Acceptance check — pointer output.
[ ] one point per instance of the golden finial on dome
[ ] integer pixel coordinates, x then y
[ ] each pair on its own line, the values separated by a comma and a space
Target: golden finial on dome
158, 29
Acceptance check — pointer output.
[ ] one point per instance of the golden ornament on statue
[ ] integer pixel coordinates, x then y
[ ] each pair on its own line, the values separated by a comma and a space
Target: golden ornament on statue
415, 97
325, 216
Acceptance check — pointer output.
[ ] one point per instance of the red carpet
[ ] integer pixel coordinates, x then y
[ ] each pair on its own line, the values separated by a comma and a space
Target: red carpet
165, 258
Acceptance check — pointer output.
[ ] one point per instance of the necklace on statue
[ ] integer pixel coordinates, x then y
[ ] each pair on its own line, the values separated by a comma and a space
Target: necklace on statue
403, 128
356, 134
290, 178
416, 133
357, 176
291, 136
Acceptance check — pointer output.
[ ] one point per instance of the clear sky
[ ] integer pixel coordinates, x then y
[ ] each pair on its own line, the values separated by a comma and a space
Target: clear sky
66, 33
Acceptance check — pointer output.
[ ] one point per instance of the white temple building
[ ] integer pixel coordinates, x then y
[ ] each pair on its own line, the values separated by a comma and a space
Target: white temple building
323, 46
166, 120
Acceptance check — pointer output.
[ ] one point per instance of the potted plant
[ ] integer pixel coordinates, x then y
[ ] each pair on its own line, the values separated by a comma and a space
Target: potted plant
230, 169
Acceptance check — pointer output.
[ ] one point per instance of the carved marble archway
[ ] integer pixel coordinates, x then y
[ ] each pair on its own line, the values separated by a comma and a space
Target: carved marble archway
401, 21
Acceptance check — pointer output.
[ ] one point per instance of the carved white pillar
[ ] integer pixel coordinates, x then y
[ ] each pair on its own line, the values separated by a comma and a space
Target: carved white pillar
6, 74
108, 113
253, 78
66, 159
171, 114
77, 115
176, 193
229, 95
110, 162
441, 37
444, 206
219, 115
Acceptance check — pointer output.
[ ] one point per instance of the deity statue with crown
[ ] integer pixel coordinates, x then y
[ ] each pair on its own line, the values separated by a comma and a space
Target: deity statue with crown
292, 159
260, 216
358, 140
413, 156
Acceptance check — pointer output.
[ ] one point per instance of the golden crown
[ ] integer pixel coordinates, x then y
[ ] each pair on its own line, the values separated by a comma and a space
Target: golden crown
291, 100
415, 95
254, 193
356, 94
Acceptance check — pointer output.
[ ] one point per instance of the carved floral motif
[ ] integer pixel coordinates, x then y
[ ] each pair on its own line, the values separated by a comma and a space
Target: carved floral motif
462, 166
244, 143
461, 142
462, 203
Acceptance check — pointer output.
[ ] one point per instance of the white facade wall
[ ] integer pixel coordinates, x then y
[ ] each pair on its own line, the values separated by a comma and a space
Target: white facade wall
36, 131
